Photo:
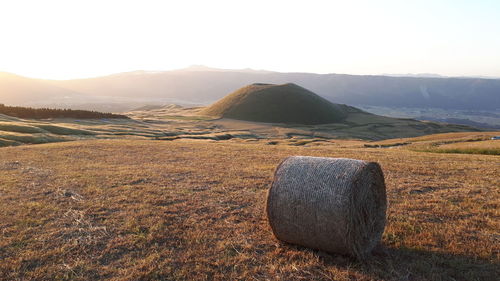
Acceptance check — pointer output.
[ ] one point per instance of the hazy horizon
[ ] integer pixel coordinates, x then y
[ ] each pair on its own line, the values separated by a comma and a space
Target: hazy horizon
79, 39
209, 68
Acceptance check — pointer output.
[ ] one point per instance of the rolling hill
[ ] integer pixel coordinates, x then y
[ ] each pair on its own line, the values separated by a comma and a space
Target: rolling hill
286, 103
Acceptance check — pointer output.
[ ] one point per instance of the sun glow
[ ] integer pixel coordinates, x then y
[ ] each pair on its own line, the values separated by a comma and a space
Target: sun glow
71, 39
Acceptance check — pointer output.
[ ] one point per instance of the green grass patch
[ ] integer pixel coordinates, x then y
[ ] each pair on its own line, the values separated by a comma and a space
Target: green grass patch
10, 127
7, 142
33, 138
59, 130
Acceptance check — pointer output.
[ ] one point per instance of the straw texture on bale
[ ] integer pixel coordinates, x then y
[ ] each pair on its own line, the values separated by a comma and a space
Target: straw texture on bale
335, 205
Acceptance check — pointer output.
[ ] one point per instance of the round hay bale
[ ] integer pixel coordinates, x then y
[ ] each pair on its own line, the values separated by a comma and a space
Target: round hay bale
336, 205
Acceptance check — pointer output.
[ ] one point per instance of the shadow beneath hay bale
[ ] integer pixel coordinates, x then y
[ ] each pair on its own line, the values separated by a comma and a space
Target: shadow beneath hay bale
410, 264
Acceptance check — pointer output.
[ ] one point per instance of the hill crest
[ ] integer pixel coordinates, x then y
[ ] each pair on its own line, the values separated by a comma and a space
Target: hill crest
283, 103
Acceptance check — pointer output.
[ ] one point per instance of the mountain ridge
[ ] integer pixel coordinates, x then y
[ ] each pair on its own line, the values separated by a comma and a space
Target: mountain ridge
204, 86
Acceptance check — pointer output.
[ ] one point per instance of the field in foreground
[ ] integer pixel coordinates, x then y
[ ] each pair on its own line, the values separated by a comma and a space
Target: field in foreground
194, 210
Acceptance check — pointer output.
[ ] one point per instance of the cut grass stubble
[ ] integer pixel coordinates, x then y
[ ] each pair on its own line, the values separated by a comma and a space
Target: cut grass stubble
186, 210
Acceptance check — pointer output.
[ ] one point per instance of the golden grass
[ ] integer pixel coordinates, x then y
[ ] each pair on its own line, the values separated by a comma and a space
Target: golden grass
491, 147
191, 210
467, 143
445, 137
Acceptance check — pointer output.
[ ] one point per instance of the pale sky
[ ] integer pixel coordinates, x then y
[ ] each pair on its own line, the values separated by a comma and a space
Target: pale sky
75, 39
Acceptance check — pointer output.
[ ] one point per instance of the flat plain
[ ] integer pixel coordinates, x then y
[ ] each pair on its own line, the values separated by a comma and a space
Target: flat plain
195, 210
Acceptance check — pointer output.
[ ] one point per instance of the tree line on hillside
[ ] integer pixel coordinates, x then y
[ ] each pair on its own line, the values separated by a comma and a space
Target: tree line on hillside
44, 113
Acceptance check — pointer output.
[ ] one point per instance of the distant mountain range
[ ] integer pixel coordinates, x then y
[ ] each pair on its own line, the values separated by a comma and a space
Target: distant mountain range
203, 85
433, 75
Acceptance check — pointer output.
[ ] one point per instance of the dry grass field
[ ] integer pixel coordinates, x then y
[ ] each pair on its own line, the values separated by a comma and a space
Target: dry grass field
473, 147
463, 142
194, 210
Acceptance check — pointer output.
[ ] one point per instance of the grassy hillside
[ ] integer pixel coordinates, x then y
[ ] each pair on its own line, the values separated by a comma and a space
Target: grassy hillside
173, 122
491, 147
287, 103
190, 210
467, 143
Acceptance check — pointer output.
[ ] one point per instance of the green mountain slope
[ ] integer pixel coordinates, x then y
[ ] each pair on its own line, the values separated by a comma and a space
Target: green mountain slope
286, 103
